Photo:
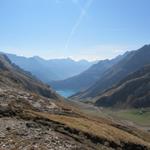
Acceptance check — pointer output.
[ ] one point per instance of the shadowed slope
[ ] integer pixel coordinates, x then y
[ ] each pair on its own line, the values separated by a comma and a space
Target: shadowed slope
14, 77
130, 63
133, 91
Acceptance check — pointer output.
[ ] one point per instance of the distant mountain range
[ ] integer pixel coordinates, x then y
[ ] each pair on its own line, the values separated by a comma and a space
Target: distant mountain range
121, 82
132, 62
87, 78
49, 70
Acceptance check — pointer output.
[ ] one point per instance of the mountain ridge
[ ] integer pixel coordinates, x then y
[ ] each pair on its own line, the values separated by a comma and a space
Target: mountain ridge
52, 69
86, 78
117, 72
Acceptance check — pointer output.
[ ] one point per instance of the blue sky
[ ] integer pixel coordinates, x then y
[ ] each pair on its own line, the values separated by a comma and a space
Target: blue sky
80, 29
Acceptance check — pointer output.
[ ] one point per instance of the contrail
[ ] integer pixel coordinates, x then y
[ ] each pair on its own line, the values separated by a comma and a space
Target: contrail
83, 13
78, 4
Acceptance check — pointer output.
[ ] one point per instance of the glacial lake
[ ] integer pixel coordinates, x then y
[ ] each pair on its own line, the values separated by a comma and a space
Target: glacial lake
66, 93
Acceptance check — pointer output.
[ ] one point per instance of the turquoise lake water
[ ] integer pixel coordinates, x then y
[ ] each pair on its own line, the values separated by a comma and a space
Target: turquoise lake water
66, 93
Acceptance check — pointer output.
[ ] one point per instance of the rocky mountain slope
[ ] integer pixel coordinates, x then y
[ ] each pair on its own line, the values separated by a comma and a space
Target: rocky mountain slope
14, 77
130, 63
86, 78
53, 69
32, 120
131, 92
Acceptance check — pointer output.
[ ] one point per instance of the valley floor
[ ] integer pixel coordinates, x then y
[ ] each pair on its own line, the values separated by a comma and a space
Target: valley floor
139, 118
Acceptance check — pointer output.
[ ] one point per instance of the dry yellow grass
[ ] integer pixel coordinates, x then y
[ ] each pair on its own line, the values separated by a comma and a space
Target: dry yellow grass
101, 130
